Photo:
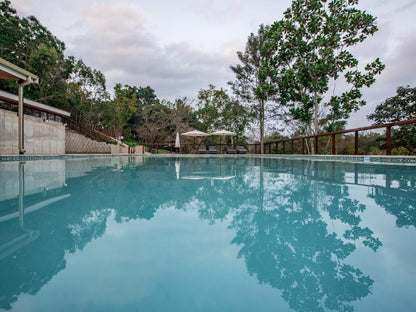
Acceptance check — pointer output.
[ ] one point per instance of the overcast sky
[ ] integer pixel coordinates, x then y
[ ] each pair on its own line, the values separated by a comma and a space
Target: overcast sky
179, 47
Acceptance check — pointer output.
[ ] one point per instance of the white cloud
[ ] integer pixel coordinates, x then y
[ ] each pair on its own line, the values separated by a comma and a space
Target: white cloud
115, 40
218, 10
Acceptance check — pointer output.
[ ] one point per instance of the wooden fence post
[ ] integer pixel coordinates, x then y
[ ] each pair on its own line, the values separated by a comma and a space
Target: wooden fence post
356, 143
388, 140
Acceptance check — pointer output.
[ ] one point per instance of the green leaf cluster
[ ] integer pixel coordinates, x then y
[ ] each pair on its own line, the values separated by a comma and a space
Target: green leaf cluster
310, 49
400, 107
218, 111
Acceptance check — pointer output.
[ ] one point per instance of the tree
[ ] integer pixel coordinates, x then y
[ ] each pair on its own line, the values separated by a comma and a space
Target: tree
310, 47
182, 115
86, 94
157, 123
30, 45
123, 107
144, 97
249, 83
217, 110
400, 107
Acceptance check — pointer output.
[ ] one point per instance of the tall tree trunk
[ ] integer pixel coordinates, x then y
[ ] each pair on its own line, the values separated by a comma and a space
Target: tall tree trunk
261, 126
315, 118
312, 142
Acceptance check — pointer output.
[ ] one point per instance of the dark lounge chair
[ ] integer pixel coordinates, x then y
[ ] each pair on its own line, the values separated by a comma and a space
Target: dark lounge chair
241, 150
230, 149
202, 149
212, 149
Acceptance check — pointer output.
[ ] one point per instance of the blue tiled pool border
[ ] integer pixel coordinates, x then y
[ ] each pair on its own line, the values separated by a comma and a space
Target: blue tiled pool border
67, 156
410, 160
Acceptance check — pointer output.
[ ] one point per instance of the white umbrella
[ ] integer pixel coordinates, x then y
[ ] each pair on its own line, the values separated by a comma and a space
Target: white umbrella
223, 132
195, 133
177, 141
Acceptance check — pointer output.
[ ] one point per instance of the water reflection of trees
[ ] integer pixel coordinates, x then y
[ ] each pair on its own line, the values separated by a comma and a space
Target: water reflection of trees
398, 197
285, 242
281, 230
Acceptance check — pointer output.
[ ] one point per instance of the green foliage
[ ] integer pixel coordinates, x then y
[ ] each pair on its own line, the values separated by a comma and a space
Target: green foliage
400, 107
26, 43
86, 95
376, 151
218, 111
141, 97
144, 118
250, 88
400, 151
310, 49
275, 137
63, 82
123, 106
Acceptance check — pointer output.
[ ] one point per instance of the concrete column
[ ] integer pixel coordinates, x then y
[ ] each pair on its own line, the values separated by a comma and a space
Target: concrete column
20, 111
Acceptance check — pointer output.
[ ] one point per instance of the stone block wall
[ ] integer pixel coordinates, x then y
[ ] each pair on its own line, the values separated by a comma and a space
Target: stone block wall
76, 143
40, 137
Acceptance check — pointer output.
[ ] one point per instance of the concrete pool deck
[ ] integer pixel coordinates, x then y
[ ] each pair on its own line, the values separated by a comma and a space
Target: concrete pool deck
408, 160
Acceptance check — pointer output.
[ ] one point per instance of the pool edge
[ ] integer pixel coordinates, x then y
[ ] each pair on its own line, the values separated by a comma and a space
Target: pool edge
374, 159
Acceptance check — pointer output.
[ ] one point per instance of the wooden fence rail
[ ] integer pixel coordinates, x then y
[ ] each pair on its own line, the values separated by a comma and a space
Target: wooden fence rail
268, 145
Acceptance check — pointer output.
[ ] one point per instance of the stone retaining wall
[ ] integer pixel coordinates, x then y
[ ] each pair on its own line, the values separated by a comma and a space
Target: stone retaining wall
76, 143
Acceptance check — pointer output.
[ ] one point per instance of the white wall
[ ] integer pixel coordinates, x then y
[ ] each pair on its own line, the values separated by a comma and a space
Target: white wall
40, 137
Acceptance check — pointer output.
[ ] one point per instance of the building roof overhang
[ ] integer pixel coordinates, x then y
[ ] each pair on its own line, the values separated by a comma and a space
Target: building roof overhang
6, 96
13, 72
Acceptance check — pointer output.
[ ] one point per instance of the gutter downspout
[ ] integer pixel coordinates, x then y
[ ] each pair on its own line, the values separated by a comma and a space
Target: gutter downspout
20, 112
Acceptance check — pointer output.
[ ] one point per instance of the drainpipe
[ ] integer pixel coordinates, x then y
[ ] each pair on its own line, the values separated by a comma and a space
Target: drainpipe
22, 84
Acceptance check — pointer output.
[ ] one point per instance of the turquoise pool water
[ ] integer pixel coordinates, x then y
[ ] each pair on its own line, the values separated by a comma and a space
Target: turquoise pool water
209, 234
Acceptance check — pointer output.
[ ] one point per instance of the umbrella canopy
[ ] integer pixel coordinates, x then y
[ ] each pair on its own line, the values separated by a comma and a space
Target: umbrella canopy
178, 140
223, 132
195, 133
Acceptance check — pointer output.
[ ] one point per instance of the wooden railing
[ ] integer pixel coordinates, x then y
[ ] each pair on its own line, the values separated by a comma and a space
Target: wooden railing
93, 134
188, 148
268, 146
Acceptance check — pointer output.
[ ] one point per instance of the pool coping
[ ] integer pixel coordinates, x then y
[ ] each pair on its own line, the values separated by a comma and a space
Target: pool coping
408, 160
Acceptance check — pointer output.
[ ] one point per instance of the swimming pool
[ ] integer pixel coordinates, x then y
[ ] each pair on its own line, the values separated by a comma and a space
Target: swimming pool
206, 234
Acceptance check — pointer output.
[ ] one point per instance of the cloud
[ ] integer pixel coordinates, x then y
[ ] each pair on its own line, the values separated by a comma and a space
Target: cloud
405, 7
117, 23
400, 68
219, 10
115, 40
